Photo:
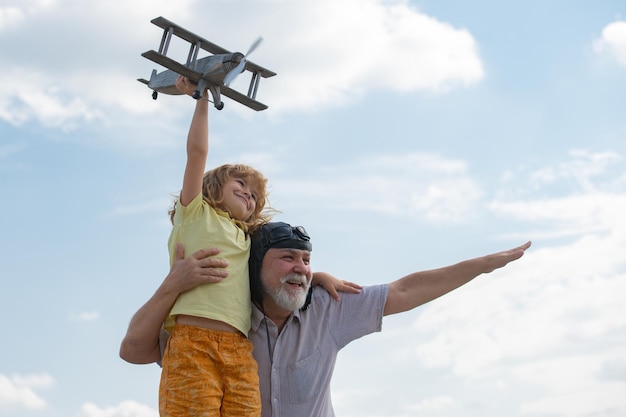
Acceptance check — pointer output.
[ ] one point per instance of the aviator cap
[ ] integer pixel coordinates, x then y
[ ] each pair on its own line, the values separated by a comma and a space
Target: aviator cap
273, 235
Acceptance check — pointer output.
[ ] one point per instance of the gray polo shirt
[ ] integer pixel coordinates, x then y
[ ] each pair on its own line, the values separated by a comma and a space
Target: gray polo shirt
298, 382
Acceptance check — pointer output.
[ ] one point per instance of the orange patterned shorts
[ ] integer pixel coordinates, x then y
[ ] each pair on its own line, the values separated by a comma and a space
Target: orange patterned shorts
208, 373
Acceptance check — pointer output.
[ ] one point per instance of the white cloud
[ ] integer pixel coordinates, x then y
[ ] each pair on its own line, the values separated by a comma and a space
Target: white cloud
561, 300
15, 12
572, 386
85, 316
550, 298
417, 185
553, 321
582, 168
612, 42
433, 404
568, 216
18, 391
10, 16
583, 194
334, 58
32, 96
323, 56
580, 171
123, 409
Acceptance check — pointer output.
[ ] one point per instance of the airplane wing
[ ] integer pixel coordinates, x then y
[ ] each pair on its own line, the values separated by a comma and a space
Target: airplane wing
243, 99
191, 37
196, 76
175, 66
251, 66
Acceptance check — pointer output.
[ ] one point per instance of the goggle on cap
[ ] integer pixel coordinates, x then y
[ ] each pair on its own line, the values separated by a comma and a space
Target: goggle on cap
272, 235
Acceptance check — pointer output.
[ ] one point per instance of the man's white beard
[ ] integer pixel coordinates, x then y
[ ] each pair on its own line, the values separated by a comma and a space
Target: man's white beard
290, 300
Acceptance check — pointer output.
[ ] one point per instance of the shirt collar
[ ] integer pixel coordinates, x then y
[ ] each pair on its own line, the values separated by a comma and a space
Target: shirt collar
236, 222
258, 316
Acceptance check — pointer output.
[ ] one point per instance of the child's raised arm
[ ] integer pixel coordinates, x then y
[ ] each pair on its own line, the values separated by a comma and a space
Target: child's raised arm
197, 144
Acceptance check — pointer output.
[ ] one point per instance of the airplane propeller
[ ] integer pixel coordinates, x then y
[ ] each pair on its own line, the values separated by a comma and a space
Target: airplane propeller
242, 64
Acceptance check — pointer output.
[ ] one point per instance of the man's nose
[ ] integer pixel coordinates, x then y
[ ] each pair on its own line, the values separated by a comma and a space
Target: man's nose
300, 267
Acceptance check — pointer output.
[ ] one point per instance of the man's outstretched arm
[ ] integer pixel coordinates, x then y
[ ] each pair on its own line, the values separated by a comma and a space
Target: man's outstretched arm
421, 287
141, 343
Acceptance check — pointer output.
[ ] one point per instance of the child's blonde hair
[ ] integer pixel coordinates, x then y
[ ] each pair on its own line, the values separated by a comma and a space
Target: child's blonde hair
213, 183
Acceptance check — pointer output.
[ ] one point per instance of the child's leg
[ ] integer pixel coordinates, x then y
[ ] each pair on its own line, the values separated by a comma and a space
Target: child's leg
191, 380
241, 379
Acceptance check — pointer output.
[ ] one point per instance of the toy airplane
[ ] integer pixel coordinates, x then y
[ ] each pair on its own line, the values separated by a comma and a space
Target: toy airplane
214, 72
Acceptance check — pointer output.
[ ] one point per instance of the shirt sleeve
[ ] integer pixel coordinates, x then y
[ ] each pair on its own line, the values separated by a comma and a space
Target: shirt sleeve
357, 315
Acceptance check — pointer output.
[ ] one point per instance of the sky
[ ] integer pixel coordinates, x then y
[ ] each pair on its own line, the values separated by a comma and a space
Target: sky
404, 135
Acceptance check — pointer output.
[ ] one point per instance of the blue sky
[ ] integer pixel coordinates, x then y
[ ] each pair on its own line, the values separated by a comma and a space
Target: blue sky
405, 135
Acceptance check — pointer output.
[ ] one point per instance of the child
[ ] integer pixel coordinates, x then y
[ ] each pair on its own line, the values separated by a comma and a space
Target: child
208, 368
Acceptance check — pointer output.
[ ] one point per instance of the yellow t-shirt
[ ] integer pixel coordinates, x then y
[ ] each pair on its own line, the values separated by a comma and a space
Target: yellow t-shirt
198, 226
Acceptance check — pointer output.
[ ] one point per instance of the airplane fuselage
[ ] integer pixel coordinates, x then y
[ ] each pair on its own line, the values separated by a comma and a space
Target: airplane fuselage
213, 69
